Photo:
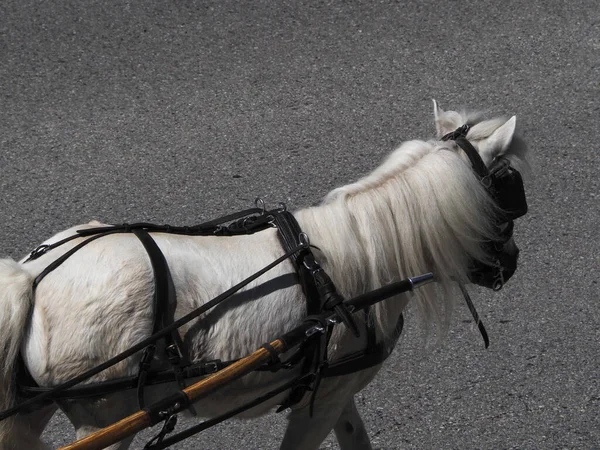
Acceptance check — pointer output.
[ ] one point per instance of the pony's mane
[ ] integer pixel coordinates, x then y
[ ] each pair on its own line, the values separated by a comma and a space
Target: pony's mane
422, 210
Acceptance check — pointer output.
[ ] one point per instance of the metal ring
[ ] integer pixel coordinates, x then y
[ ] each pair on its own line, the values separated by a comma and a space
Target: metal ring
304, 240
487, 181
498, 284
260, 203
282, 206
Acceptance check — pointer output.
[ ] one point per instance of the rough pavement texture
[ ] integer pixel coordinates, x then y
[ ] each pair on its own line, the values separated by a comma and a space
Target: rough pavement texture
180, 111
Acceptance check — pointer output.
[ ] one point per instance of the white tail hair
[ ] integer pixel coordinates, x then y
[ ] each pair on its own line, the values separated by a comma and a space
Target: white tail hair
15, 304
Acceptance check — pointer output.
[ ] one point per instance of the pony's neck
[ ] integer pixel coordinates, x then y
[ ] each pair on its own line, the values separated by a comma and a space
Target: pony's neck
366, 229
421, 211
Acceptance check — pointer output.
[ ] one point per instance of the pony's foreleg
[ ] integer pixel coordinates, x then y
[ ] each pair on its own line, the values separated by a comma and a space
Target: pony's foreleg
25, 430
350, 430
305, 432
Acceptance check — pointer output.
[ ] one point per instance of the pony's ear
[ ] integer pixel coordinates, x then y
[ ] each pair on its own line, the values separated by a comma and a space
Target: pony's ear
502, 137
437, 114
437, 111
499, 141
445, 121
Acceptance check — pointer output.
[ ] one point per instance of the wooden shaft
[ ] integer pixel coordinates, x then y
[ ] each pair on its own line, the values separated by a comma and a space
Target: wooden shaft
234, 371
136, 422
113, 433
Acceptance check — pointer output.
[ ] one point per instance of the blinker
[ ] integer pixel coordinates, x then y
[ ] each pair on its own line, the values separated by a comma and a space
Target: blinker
507, 189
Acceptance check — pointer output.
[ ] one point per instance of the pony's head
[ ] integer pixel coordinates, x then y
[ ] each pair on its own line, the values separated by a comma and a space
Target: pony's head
493, 151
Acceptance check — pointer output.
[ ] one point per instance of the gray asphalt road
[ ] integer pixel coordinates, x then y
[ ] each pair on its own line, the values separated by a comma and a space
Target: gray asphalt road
180, 111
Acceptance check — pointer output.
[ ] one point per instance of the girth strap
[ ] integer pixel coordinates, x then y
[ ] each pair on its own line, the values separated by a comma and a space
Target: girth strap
164, 304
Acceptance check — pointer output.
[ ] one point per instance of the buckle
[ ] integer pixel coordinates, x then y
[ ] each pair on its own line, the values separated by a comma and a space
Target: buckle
211, 366
39, 251
147, 357
173, 354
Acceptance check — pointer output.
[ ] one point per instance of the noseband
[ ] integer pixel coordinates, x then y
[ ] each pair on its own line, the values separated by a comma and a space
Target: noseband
505, 185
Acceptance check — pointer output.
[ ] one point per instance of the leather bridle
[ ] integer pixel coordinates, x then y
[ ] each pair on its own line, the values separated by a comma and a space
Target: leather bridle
505, 185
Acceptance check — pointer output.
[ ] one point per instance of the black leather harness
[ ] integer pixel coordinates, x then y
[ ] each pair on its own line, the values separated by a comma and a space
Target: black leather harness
320, 292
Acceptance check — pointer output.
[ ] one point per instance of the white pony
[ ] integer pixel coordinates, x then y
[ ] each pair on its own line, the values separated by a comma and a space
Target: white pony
422, 210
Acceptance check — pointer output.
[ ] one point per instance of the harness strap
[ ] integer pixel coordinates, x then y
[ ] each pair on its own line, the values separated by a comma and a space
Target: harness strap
164, 300
211, 227
480, 326
248, 221
371, 334
29, 389
289, 235
321, 294
44, 248
169, 441
460, 137
58, 261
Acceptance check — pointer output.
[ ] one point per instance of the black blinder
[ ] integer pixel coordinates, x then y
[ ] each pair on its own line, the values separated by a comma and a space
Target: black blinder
507, 189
